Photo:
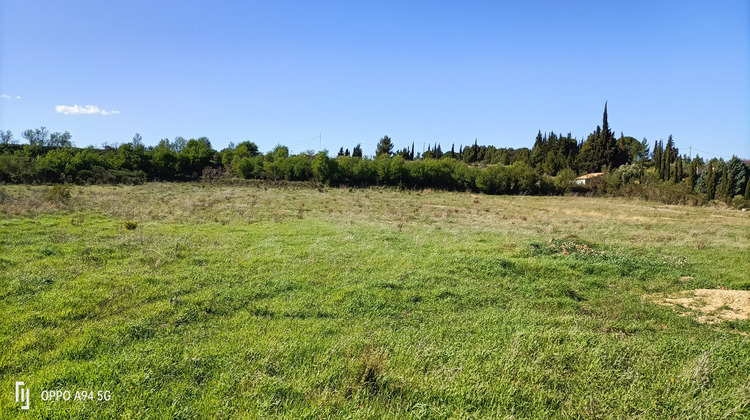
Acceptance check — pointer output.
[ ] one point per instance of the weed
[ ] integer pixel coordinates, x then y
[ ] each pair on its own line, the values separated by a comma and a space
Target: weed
77, 220
130, 225
367, 374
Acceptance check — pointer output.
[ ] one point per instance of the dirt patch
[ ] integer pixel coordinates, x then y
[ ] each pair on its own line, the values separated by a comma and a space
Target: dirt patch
716, 304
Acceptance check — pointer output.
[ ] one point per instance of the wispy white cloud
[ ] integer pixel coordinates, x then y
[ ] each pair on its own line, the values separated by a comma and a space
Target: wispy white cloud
18, 97
83, 110
5, 96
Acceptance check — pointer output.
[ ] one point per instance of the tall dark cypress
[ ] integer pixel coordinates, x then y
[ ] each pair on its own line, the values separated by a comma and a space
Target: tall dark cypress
711, 187
723, 189
692, 176
657, 158
605, 139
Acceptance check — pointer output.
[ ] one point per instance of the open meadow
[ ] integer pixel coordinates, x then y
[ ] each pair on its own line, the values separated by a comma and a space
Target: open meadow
254, 300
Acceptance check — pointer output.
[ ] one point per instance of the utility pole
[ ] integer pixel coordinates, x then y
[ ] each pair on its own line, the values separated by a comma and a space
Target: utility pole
320, 142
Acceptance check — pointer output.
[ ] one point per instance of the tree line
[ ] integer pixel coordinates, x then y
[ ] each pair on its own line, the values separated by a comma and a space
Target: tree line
549, 167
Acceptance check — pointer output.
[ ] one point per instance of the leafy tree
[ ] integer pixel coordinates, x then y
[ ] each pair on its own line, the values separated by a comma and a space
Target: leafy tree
54, 165
6, 137
242, 150
564, 180
130, 158
196, 155
299, 168
385, 147
164, 161
323, 168
17, 168
636, 150
280, 152
247, 148
59, 140
625, 174
275, 164
36, 137
248, 167
178, 144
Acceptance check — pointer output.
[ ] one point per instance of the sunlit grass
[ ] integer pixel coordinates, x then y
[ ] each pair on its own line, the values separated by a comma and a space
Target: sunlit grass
251, 300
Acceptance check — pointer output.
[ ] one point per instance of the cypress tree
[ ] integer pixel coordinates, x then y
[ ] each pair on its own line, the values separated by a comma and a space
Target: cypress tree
711, 184
609, 144
721, 190
658, 158
357, 152
747, 190
668, 158
693, 168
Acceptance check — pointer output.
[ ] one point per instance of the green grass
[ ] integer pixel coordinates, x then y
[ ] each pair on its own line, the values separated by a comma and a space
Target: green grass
252, 301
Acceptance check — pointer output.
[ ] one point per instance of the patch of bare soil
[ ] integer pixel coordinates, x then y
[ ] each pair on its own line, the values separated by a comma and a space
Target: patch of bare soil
716, 304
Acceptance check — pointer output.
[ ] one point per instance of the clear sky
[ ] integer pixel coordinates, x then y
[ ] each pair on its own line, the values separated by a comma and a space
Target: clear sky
348, 72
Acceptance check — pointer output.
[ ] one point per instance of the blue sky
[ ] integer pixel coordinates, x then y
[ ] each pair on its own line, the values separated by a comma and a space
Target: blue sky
348, 72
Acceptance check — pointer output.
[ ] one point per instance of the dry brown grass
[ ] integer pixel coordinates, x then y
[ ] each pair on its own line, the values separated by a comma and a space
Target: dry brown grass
606, 220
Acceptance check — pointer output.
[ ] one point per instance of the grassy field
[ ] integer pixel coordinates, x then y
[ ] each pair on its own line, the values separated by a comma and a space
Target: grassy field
253, 301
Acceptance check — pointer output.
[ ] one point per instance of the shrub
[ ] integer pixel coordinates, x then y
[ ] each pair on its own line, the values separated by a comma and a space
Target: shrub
59, 193
564, 180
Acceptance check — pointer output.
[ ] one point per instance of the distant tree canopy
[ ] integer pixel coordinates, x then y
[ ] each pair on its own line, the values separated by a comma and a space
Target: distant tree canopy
601, 151
385, 147
549, 167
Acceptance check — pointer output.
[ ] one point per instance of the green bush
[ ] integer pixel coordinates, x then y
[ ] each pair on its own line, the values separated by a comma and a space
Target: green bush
59, 193
564, 180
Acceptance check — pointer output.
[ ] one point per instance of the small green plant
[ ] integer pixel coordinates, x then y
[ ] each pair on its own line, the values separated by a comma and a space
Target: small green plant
368, 372
77, 220
59, 193
4, 197
130, 225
